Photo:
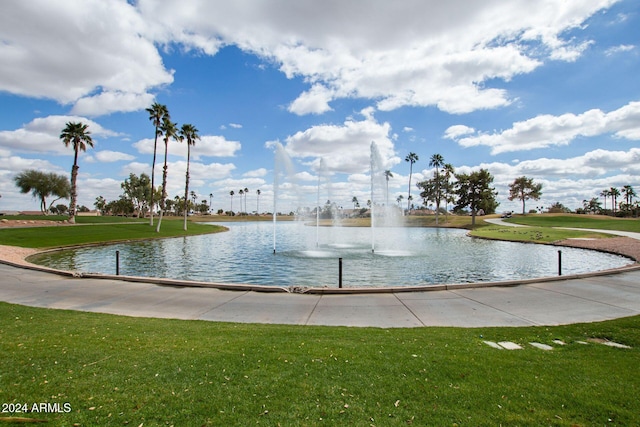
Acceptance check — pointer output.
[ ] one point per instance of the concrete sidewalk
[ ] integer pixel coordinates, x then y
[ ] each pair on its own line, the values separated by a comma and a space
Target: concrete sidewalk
544, 303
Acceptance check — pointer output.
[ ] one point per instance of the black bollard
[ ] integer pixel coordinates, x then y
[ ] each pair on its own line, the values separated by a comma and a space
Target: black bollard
339, 272
559, 263
117, 263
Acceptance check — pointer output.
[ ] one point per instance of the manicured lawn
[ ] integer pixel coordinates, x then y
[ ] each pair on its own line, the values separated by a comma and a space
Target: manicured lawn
46, 237
114, 370
578, 221
531, 234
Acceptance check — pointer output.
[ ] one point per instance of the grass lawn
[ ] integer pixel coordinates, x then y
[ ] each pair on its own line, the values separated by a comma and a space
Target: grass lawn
531, 234
578, 221
47, 237
114, 370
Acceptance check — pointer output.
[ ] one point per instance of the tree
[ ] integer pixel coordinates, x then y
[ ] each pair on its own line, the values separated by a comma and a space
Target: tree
523, 189
138, 190
629, 194
592, 205
475, 192
354, 200
43, 185
188, 133
246, 191
437, 161
157, 113
258, 192
100, 204
241, 193
210, 202
449, 171
604, 194
169, 130
387, 175
399, 199
231, 193
411, 158
614, 193
76, 135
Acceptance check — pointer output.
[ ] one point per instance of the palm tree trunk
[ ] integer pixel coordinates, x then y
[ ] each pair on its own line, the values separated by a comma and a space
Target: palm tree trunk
74, 193
186, 188
164, 186
153, 175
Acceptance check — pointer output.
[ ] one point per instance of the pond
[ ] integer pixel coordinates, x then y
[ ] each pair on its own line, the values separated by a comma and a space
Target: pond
307, 256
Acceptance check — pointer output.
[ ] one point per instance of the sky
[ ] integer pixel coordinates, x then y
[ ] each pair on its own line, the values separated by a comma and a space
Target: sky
547, 89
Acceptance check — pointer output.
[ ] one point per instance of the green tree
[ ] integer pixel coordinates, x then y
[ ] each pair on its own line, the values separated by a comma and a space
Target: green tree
157, 113
354, 200
614, 193
437, 161
231, 193
475, 192
258, 192
138, 190
524, 189
188, 133
100, 204
76, 135
169, 130
604, 194
43, 185
411, 158
592, 205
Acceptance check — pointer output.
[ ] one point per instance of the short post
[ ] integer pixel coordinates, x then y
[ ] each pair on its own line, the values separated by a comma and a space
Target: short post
559, 263
339, 272
117, 263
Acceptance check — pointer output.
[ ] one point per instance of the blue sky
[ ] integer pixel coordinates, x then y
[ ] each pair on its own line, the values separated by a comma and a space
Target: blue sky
546, 89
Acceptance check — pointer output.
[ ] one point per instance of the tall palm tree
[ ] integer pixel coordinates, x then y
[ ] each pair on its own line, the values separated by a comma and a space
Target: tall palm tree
231, 193
170, 130
411, 158
448, 193
210, 202
258, 192
437, 161
76, 135
387, 175
605, 193
241, 193
246, 191
354, 200
629, 194
189, 133
157, 113
614, 193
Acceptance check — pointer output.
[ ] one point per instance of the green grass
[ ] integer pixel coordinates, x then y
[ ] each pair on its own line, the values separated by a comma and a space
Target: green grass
532, 234
118, 371
578, 221
47, 237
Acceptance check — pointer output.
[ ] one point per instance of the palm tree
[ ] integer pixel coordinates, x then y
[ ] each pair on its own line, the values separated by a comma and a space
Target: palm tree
614, 193
411, 158
170, 130
210, 202
157, 112
355, 202
231, 193
437, 161
399, 199
77, 135
605, 193
189, 133
449, 171
387, 175
241, 193
258, 192
629, 194
246, 191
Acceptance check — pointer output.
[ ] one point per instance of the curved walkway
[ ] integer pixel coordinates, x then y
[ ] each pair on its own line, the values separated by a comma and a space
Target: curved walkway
541, 303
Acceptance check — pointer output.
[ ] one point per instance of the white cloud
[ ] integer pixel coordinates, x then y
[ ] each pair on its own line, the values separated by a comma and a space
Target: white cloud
42, 135
235, 125
547, 130
206, 146
257, 173
417, 53
619, 49
110, 102
344, 148
69, 50
108, 156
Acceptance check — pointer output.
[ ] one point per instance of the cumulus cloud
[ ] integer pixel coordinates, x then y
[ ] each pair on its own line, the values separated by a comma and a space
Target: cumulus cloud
108, 156
206, 146
42, 135
344, 148
548, 130
419, 53
90, 51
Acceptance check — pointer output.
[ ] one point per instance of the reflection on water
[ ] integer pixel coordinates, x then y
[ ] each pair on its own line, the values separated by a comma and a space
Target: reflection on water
402, 257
